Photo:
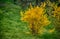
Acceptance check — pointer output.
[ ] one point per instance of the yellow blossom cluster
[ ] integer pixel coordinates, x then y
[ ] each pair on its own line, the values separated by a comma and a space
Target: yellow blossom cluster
36, 18
56, 15
57, 12
35, 14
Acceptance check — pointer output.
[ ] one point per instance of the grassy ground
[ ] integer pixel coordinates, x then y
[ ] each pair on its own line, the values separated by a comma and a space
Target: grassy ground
12, 27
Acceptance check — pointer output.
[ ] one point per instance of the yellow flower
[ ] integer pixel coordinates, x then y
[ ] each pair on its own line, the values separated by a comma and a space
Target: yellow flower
56, 12
51, 30
43, 4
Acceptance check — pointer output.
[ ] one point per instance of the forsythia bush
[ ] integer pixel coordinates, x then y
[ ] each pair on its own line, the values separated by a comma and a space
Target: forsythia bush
57, 17
36, 18
55, 13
